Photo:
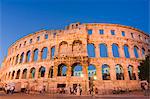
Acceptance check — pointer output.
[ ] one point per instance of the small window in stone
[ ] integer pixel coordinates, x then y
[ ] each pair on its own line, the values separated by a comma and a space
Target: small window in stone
30, 41
38, 38
140, 37
90, 32
46, 36
101, 31
24, 43
123, 33
112, 32
132, 35
19, 45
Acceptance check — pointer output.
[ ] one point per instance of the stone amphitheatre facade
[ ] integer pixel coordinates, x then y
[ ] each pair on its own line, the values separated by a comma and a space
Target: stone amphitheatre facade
50, 57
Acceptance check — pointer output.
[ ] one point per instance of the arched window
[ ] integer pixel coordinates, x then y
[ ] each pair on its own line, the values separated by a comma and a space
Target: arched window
103, 50
115, 50
63, 47
22, 57
136, 52
105, 72
36, 54
119, 72
50, 75
52, 52
91, 50
143, 51
62, 70
131, 74
32, 72
76, 69
76, 47
91, 70
13, 73
17, 57
28, 56
126, 51
44, 53
41, 72
24, 74
18, 74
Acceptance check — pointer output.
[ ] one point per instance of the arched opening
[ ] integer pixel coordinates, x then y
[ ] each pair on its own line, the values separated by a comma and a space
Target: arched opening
52, 52
50, 74
44, 53
143, 51
105, 72
103, 50
24, 74
119, 72
115, 50
28, 56
76, 46
22, 57
91, 50
41, 72
36, 54
32, 72
9, 75
76, 70
63, 47
12, 76
18, 74
91, 70
62, 70
126, 51
136, 51
131, 74
17, 57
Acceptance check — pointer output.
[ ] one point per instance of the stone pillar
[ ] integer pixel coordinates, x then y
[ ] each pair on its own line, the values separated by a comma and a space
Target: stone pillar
121, 51
32, 56
136, 72
28, 73
21, 72
55, 71
126, 74
36, 73
48, 53
85, 78
14, 60
40, 55
99, 71
109, 49
97, 50
46, 72
15, 75
131, 51
112, 72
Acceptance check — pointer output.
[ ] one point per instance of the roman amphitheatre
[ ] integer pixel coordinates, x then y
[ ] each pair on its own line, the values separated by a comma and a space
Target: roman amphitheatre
100, 55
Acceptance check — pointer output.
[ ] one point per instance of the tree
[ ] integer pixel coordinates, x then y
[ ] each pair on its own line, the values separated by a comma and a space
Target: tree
145, 69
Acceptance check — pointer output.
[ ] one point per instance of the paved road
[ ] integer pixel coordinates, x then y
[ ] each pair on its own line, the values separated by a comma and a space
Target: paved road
47, 96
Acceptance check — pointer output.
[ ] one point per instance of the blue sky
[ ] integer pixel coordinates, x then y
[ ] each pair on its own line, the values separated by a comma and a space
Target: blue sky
22, 17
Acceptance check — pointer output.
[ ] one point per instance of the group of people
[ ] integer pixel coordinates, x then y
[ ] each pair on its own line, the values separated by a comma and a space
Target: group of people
9, 89
77, 90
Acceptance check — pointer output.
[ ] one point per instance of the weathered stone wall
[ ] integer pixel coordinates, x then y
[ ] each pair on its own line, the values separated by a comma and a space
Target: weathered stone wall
74, 40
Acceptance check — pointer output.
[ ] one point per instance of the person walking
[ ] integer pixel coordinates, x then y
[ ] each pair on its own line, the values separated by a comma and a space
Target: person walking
80, 88
12, 89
